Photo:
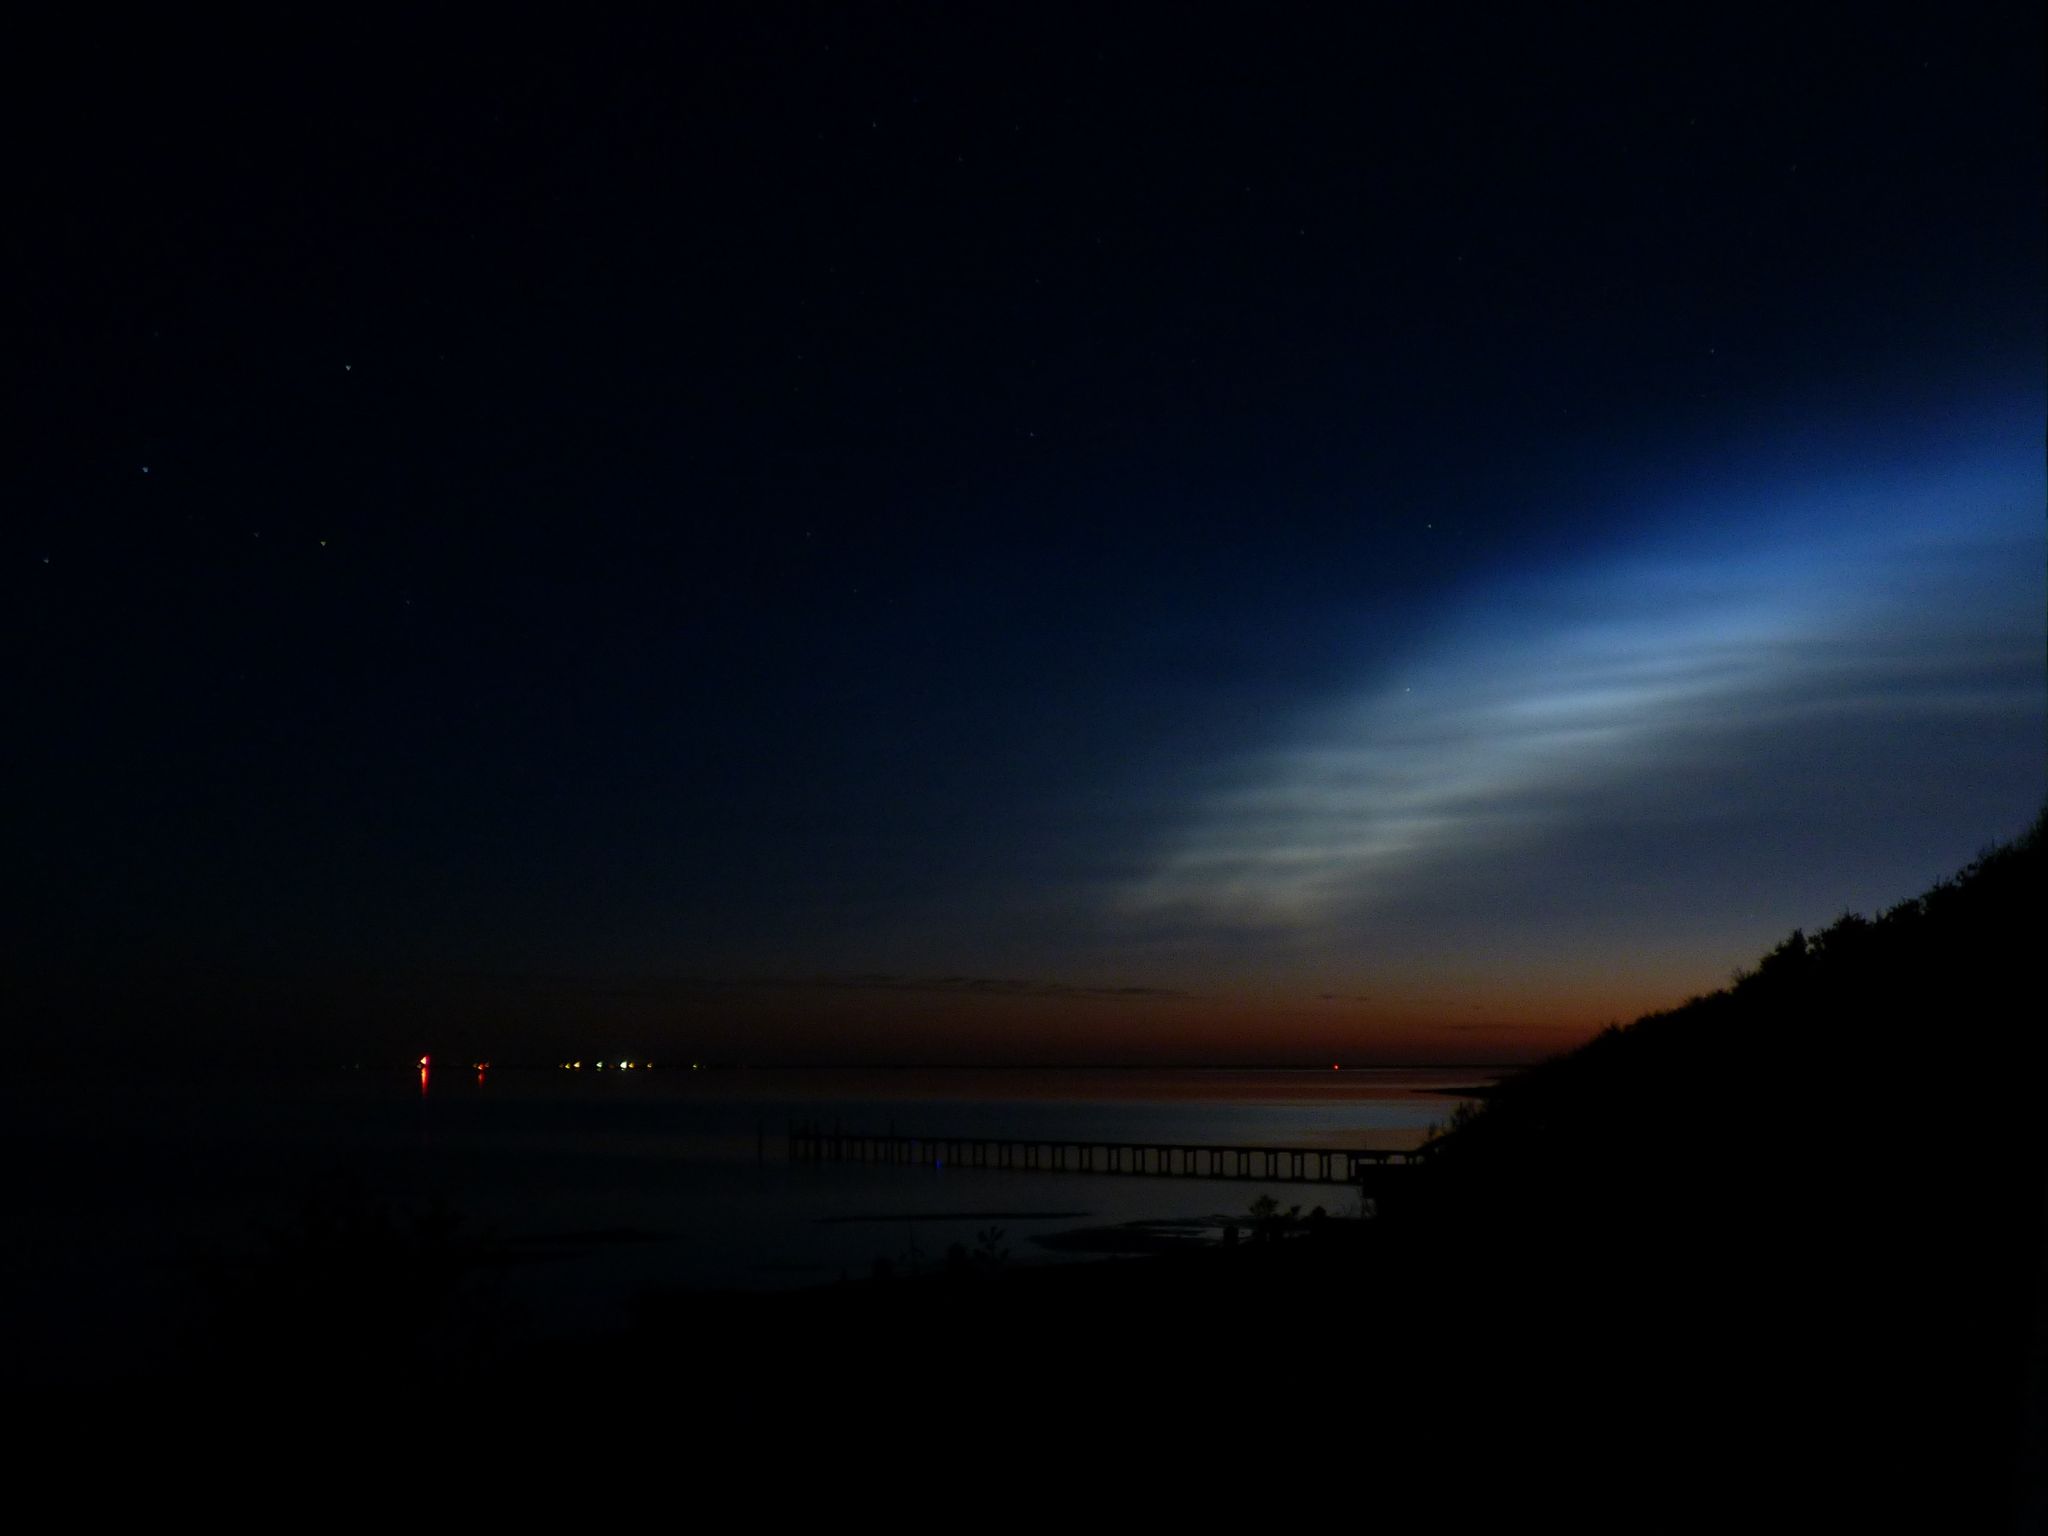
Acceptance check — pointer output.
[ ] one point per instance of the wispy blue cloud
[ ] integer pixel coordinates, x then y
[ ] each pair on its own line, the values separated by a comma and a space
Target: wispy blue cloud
1751, 630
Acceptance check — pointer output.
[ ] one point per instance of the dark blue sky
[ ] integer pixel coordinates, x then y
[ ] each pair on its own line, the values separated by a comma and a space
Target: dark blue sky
1030, 534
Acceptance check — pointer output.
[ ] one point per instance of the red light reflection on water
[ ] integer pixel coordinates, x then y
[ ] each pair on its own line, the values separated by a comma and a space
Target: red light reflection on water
423, 1077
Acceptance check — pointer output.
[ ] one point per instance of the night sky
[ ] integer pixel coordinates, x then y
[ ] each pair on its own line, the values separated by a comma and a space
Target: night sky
1004, 534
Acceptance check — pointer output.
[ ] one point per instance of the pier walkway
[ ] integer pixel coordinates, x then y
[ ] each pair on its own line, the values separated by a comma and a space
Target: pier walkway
815, 1143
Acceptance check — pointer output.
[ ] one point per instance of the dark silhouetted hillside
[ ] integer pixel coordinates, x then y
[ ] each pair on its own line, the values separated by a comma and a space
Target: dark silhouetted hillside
1861, 1023
1819, 1191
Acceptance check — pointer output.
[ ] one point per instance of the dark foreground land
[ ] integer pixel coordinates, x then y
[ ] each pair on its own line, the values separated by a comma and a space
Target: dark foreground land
1607, 1293
1762, 1357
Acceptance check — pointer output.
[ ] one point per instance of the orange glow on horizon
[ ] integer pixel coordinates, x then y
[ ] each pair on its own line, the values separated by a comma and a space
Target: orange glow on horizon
1441, 1018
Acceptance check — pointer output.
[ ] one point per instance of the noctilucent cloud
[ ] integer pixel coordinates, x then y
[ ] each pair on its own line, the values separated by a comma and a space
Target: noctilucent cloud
1797, 649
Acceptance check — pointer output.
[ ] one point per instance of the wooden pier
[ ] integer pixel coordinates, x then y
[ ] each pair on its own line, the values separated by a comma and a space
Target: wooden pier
815, 1143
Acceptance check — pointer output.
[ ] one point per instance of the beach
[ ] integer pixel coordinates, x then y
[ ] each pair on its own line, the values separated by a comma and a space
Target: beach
583, 1193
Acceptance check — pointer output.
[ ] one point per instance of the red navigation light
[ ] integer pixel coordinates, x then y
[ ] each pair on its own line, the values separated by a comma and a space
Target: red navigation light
426, 1061
1336, 1067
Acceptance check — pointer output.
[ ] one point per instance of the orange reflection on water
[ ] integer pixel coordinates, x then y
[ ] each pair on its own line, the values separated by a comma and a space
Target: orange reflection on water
423, 1078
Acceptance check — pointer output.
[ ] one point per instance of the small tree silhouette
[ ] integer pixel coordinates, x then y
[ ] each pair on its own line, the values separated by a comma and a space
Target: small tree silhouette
1269, 1222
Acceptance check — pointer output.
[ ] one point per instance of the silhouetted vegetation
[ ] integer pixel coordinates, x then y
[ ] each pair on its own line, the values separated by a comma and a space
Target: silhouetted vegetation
1762, 1186
353, 1291
1948, 974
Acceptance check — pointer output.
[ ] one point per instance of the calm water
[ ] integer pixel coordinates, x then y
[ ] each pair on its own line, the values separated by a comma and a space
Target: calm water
118, 1193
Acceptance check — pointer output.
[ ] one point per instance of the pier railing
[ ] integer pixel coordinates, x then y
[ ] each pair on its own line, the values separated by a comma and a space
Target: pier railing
810, 1142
